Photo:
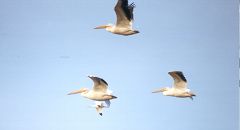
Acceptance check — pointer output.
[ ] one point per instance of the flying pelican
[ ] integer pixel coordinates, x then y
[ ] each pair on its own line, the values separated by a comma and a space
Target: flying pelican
179, 88
124, 22
99, 93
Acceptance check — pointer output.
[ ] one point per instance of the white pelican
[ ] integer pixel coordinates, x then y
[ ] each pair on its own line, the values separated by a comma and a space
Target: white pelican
179, 88
124, 22
99, 93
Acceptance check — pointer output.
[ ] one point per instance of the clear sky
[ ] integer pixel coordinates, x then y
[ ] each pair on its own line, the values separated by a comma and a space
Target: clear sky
48, 47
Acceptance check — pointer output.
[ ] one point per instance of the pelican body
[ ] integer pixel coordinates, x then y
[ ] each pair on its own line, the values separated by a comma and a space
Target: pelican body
124, 13
179, 88
99, 93
95, 95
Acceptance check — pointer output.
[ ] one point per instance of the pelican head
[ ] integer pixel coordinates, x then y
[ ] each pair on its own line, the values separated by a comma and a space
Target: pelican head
161, 90
81, 91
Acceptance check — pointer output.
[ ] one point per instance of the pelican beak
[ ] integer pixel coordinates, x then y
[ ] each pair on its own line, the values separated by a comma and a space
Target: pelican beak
101, 27
75, 92
157, 91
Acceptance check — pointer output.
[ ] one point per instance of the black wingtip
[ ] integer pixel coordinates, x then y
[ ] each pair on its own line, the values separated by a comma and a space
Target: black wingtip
92, 77
180, 74
128, 9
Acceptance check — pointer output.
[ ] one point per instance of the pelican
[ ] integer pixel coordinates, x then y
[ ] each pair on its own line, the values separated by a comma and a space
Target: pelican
124, 13
99, 93
179, 88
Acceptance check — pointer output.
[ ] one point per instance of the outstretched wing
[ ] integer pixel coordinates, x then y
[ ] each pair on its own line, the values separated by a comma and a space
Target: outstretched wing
124, 13
100, 85
180, 81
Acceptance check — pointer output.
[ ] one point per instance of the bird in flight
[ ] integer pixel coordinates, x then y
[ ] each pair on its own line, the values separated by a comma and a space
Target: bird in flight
124, 13
99, 93
179, 88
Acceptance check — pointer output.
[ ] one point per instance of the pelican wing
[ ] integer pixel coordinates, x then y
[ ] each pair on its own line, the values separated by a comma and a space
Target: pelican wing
99, 84
180, 81
108, 103
124, 13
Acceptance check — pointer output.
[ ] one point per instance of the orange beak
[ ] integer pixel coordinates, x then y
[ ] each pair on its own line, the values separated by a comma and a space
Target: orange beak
76, 92
101, 27
157, 91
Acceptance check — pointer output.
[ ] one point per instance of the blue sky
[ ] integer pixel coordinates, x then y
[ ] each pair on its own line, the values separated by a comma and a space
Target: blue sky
48, 47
